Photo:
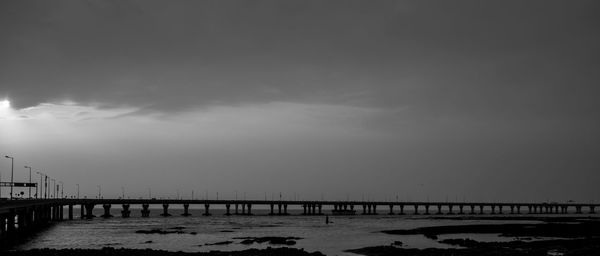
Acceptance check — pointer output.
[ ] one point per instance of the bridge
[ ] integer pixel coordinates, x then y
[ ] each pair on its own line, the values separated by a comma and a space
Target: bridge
22, 216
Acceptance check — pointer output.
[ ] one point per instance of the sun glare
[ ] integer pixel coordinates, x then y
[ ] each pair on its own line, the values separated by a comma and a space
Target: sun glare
4, 104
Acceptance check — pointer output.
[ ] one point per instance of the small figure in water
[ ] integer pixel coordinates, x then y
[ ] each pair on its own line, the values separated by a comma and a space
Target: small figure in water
326, 219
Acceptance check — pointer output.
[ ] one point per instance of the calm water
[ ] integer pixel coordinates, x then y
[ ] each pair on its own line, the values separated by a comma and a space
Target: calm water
346, 232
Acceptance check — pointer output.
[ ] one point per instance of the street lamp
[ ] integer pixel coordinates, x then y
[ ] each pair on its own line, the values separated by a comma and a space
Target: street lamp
62, 189
41, 184
12, 170
29, 180
53, 186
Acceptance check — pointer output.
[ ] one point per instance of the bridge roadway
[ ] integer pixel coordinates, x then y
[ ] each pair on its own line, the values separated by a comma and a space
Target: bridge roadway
23, 215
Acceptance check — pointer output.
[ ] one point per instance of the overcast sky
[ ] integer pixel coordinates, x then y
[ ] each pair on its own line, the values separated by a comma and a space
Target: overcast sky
438, 100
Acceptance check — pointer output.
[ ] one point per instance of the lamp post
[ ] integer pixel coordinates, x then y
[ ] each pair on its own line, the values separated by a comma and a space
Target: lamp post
53, 186
41, 184
62, 189
29, 167
12, 170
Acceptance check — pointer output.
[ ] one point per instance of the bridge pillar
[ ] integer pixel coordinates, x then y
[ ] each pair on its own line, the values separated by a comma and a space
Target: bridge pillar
578, 209
106, 211
249, 209
89, 208
352, 208
304, 209
565, 209
480, 209
335, 207
416, 209
236, 209
285, 212
427, 209
512, 209
320, 209
272, 211
10, 222
556, 209
227, 206
369, 209
243, 209
472, 209
439, 207
82, 212
450, 209
165, 210
529, 209
279, 209
186, 210
70, 212
592, 209
145, 210
460, 209
499, 209
61, 215
125, 213
2, 226
401, 209
391, 209
206, 208
493, 209
21, 219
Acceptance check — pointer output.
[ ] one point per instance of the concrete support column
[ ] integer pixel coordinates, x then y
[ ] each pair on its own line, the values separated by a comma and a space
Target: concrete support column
592, 210
480, 209
450, 209
106, 211
369, 209
439, 206
460, 209
165, 210
391, 209
244, 209
125, 213
401, 210
145, 210
2, 226
335, 207
21, 219
272, 209
472, 209
352, 208
279, 209
314, 209
70, 212
10, 222
304, 209
374, 209
427, 209
512, 209
285, 212
556, 209
578, 209
499, 209
493, 209
206, 208
416, 209
186, 210
364, 209
82, 212
249, 209
227, 206
89, 208
61, 214
236, 209
320, 207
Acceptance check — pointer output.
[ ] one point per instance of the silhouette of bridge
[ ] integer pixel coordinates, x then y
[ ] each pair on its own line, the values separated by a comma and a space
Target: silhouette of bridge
18, 216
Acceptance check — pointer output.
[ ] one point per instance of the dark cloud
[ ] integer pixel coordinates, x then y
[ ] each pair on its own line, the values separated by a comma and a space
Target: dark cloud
508, 59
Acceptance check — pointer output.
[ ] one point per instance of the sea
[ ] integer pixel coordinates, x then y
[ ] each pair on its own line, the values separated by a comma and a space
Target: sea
201, 233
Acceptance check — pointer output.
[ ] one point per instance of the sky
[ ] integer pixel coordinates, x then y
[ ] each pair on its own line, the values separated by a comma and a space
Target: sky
335, 100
